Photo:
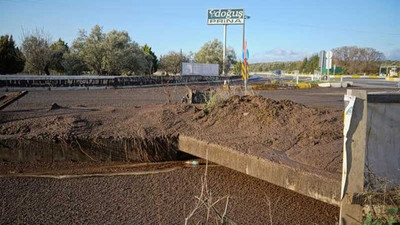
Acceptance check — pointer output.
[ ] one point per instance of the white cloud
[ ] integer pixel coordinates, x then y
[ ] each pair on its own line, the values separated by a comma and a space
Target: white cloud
393, 55
278, 54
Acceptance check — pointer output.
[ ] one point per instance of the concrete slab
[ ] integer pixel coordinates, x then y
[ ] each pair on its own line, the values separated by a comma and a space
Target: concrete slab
309, 184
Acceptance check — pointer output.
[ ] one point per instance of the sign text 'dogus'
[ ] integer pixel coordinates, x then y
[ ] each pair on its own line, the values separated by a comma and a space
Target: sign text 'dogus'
225, 16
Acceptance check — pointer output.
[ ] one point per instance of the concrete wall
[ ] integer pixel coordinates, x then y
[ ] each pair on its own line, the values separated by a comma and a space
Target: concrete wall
372, 152
383, 143
309, 184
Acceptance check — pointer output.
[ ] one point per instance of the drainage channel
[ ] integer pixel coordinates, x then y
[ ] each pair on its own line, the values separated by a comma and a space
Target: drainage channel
163, 149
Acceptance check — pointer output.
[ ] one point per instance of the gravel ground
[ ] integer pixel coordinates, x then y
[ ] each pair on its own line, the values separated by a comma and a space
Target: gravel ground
165, 198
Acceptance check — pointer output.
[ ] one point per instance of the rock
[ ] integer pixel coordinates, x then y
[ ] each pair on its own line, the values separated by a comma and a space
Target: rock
55, 106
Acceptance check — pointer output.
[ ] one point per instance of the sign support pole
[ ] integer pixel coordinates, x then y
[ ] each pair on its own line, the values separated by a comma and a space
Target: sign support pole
243, 44
224, 51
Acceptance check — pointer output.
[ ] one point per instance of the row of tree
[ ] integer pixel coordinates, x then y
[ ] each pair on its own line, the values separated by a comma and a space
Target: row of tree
112, 53
308, 65
11, 58
358, 60
351, 59
210, 52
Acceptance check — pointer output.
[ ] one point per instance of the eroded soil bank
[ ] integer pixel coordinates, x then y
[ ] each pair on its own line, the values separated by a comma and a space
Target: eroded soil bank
282, 131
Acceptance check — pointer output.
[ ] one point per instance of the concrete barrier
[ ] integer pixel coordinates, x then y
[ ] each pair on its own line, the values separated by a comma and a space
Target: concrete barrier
371, 150
355, 77
394, 79
309, 184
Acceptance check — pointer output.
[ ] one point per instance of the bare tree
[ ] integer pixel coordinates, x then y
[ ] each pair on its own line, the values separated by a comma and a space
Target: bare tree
357, 60
370, 59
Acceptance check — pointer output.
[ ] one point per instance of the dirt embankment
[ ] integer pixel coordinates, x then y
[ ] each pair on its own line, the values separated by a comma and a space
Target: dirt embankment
280, 131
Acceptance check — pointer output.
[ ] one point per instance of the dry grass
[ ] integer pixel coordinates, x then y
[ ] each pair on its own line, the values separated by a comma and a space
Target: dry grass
381, 200
220, 95
205, 210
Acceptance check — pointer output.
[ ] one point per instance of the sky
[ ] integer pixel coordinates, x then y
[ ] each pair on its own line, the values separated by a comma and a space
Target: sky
280, 30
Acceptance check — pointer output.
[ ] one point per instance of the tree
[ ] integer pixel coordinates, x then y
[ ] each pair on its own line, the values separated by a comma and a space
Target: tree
286, 66
357, 60
151, 58
58, 48
303, 65
370, 59
211, 52
37, 52
113, 53
172, 62
120, 53
91, 49
73, 64
11, 58
312, 64
237, 68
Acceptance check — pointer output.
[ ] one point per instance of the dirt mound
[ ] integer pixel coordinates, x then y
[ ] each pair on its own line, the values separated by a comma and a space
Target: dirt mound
282, 131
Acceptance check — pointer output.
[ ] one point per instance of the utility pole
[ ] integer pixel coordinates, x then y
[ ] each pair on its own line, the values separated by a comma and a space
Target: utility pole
244, 46
224, 52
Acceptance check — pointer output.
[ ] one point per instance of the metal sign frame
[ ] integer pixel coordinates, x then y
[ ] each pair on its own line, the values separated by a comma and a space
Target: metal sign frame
236, 17
225, 16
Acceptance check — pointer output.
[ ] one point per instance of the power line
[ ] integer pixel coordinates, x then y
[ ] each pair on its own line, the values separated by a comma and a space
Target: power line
331, 28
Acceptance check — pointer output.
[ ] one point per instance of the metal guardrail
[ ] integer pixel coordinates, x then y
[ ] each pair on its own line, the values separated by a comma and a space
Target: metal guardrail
28, 81
42, 77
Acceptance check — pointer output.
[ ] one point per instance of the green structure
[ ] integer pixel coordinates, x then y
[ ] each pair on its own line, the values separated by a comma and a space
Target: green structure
332, 71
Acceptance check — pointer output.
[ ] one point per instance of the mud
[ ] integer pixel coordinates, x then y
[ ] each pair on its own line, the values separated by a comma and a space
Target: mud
163, 198
281, 131
301, 136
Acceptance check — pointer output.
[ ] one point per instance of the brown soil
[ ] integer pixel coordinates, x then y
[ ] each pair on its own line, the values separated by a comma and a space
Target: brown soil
282, 131
161, 198
301, 136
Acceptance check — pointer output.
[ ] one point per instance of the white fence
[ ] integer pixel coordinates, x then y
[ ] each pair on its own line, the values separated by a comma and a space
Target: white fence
202, 69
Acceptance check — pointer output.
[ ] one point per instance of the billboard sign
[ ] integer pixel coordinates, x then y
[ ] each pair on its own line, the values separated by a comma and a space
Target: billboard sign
225, 17
202, 69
